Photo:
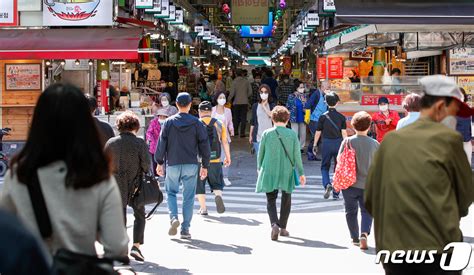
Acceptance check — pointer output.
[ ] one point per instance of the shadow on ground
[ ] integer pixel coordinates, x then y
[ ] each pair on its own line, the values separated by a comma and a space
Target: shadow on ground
232, 220
309, 243
207, 246
467, 239
153, 268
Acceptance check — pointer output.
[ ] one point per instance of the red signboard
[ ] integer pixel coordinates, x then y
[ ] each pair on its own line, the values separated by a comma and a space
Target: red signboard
287, 65
335, 68
373, 99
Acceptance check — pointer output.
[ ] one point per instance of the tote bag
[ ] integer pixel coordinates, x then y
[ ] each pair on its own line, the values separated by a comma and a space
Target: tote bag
345, 174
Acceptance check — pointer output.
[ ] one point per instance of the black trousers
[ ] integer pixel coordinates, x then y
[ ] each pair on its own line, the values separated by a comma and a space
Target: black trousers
138, 224
239, 117
415, 269
285, 208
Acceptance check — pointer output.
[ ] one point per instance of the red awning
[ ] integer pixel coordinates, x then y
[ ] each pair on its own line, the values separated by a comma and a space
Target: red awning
70, 44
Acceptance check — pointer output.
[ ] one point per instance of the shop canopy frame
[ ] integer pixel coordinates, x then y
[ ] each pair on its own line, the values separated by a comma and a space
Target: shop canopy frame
419, 38
100, 43
446, 12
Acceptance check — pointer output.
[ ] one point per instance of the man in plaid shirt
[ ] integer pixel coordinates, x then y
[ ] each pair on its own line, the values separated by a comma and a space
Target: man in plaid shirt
285, 88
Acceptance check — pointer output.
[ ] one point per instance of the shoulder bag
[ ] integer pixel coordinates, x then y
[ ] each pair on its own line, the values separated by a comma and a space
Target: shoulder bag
147, 192
332, 122
295, 173
345, 174
66, 262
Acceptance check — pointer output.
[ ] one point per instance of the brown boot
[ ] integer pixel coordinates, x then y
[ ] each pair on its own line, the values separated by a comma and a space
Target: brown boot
284, 232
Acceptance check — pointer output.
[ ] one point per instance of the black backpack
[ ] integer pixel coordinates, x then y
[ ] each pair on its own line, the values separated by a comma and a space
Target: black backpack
214, 138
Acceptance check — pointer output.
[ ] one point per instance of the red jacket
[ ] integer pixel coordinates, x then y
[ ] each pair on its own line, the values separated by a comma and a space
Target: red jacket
381, 126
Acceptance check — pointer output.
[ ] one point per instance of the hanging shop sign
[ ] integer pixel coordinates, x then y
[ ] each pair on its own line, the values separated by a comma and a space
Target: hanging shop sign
179, 17
156, 7
144, 4
199, 30
245, 12
8, 13
329, 6
29, 5
165, 9
22, 77
172, 13
373, 100
207, 35
71, 13
335, 68
287, 65
461, 61
313, 19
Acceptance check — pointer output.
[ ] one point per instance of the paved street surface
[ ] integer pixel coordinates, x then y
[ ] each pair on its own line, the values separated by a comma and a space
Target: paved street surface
238, 241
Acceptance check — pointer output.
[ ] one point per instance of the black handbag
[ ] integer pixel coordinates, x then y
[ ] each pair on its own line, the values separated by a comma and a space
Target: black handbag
147, 192
66, 262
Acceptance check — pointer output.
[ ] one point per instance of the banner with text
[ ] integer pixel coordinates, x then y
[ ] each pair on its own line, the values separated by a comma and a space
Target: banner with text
250, 12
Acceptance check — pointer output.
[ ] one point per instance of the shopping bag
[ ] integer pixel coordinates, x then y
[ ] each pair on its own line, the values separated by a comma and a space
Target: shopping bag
345, 174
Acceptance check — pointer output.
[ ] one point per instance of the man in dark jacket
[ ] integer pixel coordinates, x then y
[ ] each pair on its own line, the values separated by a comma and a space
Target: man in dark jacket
105, 130
183, 139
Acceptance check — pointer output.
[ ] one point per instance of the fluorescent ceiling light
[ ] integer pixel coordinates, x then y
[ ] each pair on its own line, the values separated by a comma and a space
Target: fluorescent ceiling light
149, 50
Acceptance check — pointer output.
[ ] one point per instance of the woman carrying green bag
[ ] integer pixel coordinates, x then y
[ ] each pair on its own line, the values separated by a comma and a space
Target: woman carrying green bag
279, 167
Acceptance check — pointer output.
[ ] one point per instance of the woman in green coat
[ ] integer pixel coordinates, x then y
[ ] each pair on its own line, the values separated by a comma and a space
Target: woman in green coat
275, 169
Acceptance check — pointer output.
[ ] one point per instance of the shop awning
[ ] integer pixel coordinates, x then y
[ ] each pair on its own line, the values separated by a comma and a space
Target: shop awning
404, 12
70, 44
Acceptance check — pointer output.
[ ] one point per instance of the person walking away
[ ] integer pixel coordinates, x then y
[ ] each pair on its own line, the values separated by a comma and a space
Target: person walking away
153, 134
183, 139
261, 117
239, 95
217, 134
295, 104
386, 120
224, 115
411, 104
220, 86
463, 126
365, 148
278, 158
315, 107
428, 186
285, 89
131, 161
105, 130
396, 88
332, 129
271, 82
257, 81
165, 100
63, 157
229, 78
20, 242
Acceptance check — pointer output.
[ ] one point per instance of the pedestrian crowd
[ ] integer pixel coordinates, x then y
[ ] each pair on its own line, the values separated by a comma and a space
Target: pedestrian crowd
73, 187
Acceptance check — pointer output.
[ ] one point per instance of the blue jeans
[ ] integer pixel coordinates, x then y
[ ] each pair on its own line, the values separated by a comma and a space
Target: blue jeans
353, 200
186, 174
312, 128
329, 150
256, 147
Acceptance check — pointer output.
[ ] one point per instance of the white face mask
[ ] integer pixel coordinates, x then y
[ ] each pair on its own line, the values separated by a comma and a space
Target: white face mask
301, 90
161, 121
450, 122
264, 96
221, 101
165, 103
286, 80
383, 108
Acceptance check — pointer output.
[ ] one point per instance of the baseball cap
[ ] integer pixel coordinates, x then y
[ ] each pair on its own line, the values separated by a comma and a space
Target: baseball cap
205, 106
162, 112
443, 86
183, 99
383, 99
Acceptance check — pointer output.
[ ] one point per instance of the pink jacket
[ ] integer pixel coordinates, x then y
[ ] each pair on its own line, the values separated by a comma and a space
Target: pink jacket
153, 134
228, 120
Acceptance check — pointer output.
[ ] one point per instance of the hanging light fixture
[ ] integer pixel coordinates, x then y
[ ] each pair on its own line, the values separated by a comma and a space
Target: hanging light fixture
91, 62
77, 62
48, 62
63, 62
102, 62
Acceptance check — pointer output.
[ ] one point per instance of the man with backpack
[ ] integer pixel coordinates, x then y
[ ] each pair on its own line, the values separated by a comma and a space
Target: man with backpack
315, 107
217, 134
332, 128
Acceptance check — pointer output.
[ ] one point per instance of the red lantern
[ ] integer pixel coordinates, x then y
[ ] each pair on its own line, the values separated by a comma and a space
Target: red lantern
225, 9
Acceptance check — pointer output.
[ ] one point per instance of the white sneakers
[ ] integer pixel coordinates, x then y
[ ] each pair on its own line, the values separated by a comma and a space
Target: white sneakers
227, 182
